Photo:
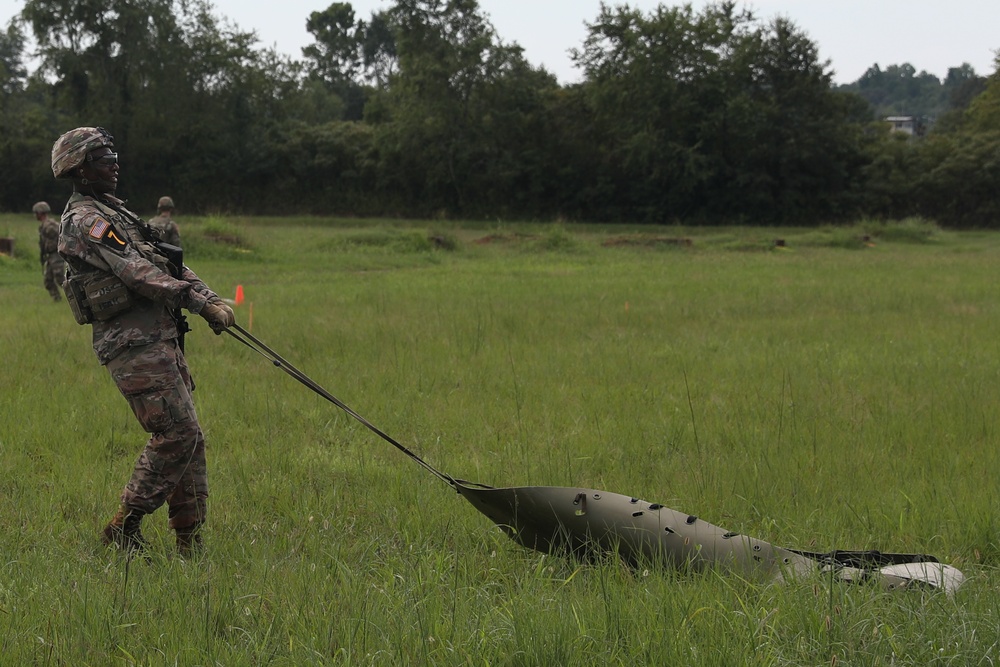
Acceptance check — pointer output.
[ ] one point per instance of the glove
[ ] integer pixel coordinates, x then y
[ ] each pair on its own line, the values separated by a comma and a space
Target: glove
219, 316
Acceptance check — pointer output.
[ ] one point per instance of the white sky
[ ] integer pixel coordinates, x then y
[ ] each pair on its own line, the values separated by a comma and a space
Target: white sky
931, 35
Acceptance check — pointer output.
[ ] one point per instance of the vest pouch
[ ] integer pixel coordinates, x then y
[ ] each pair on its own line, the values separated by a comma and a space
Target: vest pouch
107, 297
76, 297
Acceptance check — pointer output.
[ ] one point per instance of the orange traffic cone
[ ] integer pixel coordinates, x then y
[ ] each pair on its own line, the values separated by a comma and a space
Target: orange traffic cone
239, 294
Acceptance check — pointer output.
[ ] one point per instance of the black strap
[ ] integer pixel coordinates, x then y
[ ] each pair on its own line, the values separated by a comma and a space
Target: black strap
245, 337
147, 232
865, 559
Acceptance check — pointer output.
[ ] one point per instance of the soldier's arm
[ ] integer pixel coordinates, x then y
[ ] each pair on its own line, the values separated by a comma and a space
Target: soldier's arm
197, 285
105, 249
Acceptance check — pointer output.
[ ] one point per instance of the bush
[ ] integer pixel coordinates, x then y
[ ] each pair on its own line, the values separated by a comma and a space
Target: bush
215, 238
400, 241
908, 230
556, 238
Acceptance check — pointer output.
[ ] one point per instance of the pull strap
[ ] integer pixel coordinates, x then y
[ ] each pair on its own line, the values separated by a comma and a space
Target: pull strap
245, 337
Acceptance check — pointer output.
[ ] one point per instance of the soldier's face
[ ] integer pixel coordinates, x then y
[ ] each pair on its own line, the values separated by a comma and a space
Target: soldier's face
101, 170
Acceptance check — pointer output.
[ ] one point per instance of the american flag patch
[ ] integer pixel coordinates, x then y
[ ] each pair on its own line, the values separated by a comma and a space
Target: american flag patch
100, 226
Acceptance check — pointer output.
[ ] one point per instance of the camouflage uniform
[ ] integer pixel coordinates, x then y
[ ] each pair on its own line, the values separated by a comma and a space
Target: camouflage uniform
53, 266
167, 229
141, 351
164, 224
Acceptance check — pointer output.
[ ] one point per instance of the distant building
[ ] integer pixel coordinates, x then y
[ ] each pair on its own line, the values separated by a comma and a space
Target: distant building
906, 124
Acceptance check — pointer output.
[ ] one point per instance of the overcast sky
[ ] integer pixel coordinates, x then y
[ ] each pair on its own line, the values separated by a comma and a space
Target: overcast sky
931, 35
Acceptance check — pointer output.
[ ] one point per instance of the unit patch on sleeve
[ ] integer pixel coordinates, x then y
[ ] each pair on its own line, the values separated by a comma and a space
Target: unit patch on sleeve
105, 233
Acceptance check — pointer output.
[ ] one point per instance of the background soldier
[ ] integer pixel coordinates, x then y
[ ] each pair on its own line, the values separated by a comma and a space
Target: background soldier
121, 283
53, 266
164, 223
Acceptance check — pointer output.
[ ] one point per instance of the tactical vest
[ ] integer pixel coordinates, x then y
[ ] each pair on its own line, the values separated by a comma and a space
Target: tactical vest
97, 296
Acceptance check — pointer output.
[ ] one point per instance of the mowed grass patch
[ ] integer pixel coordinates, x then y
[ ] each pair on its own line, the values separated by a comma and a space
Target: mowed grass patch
815, 396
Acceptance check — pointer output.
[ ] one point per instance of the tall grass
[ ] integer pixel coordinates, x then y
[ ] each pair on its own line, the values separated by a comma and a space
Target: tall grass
813, 395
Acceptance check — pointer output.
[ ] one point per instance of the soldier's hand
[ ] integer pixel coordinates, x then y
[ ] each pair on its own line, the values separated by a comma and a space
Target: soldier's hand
219, 316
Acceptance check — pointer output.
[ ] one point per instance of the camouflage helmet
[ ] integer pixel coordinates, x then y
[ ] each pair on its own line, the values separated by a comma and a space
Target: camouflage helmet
41, 207
164, 203
70, 150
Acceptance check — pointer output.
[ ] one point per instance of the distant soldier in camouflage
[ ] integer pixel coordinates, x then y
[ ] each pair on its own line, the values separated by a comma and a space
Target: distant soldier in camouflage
53, 265
164, 222
120, 281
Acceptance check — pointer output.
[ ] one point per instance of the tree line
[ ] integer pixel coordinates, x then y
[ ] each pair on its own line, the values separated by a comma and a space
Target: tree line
711, 116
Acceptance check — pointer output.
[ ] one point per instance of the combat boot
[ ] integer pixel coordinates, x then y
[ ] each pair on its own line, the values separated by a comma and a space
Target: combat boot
123, 531
189, 541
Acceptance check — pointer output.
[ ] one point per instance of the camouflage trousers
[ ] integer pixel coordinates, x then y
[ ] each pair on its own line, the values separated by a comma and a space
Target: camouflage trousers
155, 381
52, 274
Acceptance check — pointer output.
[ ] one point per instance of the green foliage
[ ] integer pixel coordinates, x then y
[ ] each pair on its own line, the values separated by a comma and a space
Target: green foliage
868, 234
336, 56
12, 70
849, 237
715, 116
392, 240
958, 184
339, 158
908, 230
459, 128
704, 116
557, 238
221, 229
19, 260
901, 90
187, 98
983, 114
216, 237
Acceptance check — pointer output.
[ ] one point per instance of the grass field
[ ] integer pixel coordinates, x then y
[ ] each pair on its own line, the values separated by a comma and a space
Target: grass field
839, 391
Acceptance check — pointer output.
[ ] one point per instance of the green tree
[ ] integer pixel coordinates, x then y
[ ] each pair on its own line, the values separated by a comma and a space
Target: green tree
949, 176
19, 117
957, 181
650, 80
959, 170
899, 90
350, 51
13, 73
714, 116
331, 167
797, 143
456, 125
961, 86
378, 49
336, 57
194, 106
983, 111
891, 174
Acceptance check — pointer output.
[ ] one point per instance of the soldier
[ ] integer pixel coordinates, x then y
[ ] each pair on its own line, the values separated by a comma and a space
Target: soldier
164, 223
131, 293
53, 266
